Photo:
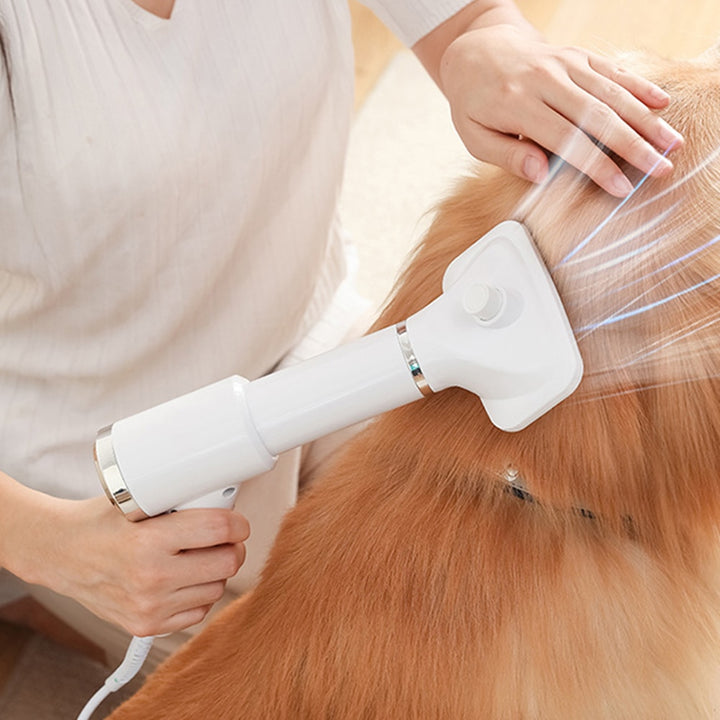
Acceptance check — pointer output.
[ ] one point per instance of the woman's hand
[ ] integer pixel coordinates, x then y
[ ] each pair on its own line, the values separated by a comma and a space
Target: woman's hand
513, 95
151, 577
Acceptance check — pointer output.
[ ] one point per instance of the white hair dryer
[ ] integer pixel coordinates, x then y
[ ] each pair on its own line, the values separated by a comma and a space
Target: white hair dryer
498, 329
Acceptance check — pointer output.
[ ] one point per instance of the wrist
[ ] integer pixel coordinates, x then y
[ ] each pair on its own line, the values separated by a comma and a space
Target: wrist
439, 46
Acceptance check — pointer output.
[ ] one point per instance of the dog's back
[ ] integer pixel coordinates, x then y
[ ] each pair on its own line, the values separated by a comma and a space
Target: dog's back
444, 569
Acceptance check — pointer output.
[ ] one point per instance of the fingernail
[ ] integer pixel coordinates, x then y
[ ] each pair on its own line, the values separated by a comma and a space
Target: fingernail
532, 169
659, 95
669, 135
621, 185
660, 165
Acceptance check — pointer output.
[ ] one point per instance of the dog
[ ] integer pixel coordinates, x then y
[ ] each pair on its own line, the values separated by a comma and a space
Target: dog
443, 569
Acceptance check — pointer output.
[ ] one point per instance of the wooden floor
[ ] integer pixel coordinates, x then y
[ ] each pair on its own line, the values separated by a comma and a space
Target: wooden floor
12, 642
676, 28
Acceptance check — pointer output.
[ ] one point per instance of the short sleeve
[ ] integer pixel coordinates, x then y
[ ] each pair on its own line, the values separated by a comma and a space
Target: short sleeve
411, 20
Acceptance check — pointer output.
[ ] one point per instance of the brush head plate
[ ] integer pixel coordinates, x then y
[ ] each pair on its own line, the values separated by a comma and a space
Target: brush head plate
500, 330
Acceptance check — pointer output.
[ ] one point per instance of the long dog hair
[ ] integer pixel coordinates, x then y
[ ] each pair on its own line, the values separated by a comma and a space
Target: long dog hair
443, 569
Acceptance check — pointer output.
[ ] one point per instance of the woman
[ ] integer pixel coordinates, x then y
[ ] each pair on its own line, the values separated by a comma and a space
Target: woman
170, 177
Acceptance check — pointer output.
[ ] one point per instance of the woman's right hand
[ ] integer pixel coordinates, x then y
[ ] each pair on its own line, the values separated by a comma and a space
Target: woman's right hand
151, 577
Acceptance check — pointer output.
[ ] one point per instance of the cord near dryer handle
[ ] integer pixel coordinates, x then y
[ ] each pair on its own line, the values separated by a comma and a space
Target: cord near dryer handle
498, 329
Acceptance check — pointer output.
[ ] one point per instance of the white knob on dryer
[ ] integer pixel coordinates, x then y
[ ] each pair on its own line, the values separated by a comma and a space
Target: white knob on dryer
483, 302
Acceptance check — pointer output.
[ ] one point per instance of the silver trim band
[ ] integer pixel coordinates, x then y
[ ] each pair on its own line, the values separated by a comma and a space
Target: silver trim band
411, 360
111, 478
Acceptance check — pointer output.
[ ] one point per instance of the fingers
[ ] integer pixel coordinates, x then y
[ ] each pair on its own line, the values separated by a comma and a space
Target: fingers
196, 567
180, 621
180, 593
186, 607
608, 104
215, 552
645, 91
601, 100
596, 99
174, 587
561, 137
618, 120
566, 134
555, 133
201, 528
562, 126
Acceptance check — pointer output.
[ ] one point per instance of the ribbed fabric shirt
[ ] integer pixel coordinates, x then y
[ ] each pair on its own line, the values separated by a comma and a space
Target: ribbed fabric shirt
168, 196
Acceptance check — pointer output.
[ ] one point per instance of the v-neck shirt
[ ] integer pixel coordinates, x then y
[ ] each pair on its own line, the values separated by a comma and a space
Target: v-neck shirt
168, 193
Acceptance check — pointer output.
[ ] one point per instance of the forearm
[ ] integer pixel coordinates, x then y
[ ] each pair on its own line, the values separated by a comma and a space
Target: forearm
481, 13
25, 517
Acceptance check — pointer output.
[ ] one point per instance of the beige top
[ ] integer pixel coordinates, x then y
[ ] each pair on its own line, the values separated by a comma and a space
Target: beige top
168, 200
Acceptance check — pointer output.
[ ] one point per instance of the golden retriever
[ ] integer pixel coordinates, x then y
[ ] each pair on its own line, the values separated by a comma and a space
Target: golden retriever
443, 569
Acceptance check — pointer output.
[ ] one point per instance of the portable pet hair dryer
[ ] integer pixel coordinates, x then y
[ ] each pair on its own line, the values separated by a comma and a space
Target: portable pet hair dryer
498, 330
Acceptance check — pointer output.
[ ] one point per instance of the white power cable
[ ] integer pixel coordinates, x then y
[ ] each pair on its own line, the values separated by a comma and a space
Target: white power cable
132, 662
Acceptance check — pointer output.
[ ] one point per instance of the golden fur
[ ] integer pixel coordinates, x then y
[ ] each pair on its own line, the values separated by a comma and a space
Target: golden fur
409, 583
